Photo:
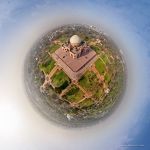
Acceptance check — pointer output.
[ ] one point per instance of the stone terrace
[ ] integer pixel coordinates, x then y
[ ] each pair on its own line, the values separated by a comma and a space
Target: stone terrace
74, 68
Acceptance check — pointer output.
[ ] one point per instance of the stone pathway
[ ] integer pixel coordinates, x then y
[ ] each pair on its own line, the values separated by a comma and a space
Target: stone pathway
86, 93
48, 80
100, 77
53, 71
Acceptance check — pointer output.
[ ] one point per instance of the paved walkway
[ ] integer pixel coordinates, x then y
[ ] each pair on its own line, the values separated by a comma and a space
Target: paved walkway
53, 71
81, 100
100, 77
48, 80
87, 94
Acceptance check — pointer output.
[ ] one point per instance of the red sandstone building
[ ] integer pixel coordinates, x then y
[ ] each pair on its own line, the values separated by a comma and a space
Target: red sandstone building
74, 57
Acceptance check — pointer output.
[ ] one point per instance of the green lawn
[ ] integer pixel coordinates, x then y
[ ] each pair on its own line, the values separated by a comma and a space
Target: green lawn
53, 47
100, 66
98, 92
107, 77
89, 81
74, 94
86, 103
63, 38
105, 59
60, 79
47, 66
96, 48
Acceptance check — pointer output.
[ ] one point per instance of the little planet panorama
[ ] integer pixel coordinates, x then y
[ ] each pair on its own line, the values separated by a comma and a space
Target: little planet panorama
75, 75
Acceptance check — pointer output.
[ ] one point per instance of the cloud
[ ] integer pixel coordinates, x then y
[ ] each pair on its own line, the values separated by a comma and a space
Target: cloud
34, 130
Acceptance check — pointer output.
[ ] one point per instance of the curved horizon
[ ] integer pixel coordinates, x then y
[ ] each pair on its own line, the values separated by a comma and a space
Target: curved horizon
23, 23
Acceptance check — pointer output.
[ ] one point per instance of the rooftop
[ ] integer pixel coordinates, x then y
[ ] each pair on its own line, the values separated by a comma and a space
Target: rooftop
75, 51
74, 67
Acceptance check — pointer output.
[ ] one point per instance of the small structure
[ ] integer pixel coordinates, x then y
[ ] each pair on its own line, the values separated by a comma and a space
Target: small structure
69, 117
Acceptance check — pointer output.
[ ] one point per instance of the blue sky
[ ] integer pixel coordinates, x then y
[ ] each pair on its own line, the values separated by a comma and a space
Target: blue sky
128, 20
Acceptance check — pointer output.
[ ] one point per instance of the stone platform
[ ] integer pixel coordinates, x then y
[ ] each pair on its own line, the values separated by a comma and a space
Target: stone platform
74, 68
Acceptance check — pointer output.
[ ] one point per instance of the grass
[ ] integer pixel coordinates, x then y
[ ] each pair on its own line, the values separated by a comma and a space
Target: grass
89, 81
60, 79
105, 59
63, 38
100, 66
107, 77
74, 94
97, 49
53, 47
47, 66
86, 103
98, 92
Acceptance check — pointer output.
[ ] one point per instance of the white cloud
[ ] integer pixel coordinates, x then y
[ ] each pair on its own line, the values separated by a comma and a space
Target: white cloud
37, 132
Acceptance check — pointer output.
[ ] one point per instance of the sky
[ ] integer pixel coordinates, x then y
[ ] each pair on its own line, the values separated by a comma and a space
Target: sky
22, 22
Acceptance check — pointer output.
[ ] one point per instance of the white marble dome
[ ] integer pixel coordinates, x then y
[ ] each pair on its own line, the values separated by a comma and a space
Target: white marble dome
75, 40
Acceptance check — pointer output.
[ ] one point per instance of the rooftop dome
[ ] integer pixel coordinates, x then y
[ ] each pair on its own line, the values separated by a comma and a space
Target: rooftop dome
75, 40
